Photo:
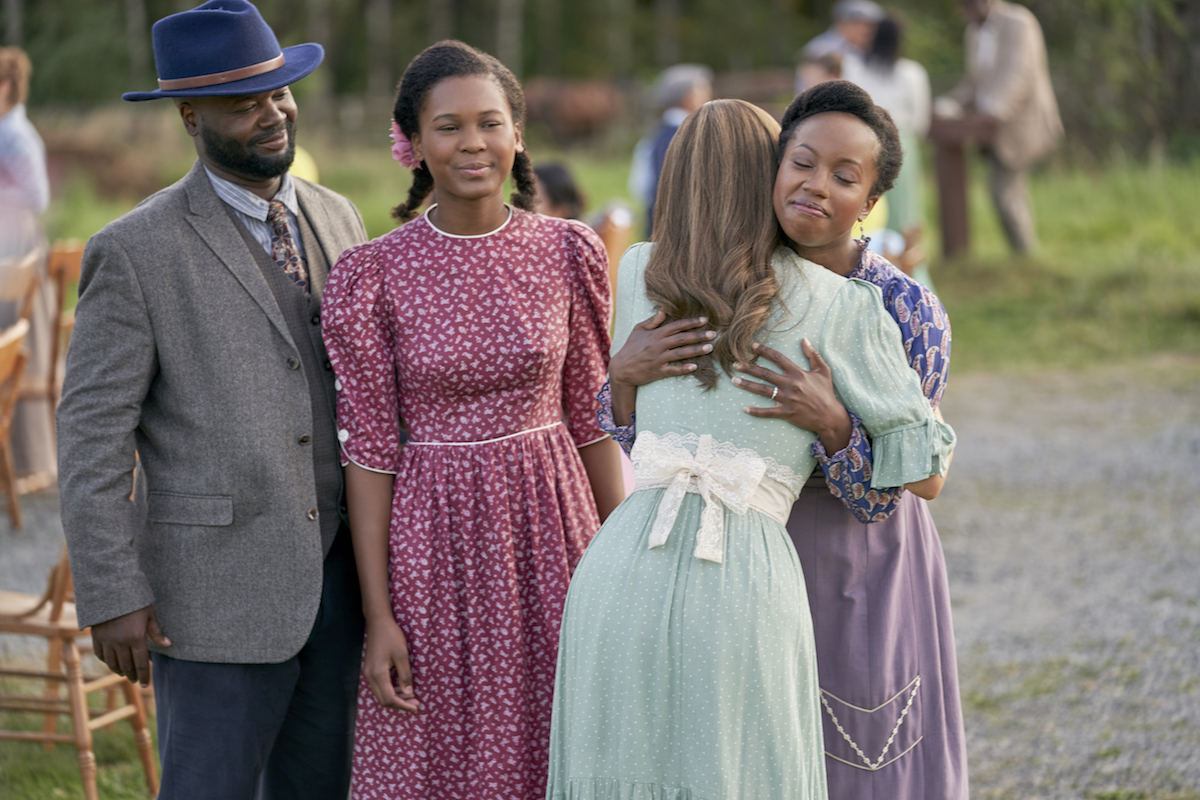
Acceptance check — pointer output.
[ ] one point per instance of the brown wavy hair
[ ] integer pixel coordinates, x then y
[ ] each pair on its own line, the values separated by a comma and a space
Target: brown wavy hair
715, 228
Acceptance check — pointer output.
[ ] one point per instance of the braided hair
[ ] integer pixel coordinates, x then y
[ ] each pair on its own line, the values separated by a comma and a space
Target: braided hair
453, 59
847, 98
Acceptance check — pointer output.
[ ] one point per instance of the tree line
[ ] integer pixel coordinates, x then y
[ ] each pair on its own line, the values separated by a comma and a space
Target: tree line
1127, 72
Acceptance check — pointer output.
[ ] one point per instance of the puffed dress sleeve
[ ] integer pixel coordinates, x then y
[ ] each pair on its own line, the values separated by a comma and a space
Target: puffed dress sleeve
863, 347
586, 361
925, 332
356, 323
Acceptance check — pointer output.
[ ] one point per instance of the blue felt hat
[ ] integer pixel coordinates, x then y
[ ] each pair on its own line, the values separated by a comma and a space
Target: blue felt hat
223, 48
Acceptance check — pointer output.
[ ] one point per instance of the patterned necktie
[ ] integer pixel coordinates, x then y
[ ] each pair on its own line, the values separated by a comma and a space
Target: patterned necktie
283, 245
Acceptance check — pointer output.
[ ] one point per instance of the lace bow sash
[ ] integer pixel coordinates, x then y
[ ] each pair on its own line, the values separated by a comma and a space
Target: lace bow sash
724, 475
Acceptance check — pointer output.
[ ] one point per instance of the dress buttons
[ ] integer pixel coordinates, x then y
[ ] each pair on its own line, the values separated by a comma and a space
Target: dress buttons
343, 435
293, 362
305, 439
312, 513
337, 384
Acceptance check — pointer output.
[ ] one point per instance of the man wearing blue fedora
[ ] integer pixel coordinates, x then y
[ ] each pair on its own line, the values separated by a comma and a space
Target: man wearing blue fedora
199, 474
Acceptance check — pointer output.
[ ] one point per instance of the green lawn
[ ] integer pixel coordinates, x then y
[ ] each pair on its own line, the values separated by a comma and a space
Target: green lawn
1118, 276
30, 772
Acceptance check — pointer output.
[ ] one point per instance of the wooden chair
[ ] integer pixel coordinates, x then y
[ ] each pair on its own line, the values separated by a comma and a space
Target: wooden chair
62, 269
20, 282
12, 367
52, 616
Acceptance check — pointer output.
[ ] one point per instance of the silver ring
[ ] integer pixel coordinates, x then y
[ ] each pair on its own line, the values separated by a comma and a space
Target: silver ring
774, 392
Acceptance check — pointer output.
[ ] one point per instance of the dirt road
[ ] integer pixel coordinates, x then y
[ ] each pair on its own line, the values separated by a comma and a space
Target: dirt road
1071, 526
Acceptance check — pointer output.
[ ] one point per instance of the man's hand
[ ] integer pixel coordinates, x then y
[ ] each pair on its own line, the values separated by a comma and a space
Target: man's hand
121, 643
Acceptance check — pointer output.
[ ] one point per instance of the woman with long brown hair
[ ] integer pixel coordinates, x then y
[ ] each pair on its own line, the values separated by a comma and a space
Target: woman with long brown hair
873, 563
686, 662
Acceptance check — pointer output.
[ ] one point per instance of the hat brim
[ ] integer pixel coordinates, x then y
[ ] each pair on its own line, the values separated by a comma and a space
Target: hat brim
299, 61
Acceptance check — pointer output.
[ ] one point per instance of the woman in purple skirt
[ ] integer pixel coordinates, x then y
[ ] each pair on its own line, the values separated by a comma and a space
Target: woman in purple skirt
872, 559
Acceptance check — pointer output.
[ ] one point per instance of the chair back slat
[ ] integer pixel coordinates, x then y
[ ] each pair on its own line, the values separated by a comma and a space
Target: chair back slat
64, 260
11, 341
63, 267
19, 279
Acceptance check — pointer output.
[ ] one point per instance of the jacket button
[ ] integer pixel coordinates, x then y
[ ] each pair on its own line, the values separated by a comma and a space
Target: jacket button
305, 439
328, 366
316, 319
312, 514
293, 362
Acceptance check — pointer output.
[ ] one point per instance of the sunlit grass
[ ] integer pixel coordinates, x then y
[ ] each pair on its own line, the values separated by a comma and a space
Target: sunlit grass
1118, 275
30, 772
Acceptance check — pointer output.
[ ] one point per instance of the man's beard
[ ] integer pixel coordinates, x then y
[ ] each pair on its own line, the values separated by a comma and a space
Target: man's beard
240, 160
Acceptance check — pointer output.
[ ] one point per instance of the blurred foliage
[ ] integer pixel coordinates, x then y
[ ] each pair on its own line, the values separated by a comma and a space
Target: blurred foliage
1127, 72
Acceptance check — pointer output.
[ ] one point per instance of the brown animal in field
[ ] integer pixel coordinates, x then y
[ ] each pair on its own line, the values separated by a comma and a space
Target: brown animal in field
573, 109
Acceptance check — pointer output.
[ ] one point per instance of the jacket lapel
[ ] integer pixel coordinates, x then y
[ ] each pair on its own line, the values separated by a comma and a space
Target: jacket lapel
323, 226
208, 218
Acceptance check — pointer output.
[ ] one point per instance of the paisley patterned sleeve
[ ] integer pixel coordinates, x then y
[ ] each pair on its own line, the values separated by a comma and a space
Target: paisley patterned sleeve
625, 435
925, 332
588, 345
848, 476
924, 329
358, 337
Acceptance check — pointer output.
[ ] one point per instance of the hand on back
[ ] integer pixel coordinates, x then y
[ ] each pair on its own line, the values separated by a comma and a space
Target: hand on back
805, 398
655, 350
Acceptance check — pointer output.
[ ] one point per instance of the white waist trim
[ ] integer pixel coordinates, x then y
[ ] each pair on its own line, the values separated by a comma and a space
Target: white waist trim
482, 441
725, 475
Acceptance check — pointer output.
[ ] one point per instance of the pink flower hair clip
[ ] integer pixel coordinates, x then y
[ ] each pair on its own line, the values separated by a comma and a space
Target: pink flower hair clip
402, 149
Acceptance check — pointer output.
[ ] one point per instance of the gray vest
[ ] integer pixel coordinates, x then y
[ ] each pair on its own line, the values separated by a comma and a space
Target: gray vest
303, 316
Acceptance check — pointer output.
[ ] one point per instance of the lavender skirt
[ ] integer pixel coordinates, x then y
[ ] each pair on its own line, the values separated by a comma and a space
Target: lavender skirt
885, 650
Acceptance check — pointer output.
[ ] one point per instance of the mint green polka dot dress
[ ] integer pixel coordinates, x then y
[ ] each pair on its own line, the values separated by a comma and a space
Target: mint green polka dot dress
687, 678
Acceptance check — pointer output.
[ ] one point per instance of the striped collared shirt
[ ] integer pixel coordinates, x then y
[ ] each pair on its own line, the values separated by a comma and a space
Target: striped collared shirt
252, 209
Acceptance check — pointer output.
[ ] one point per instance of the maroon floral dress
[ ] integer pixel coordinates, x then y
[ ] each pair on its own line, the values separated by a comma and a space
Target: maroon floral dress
491, 349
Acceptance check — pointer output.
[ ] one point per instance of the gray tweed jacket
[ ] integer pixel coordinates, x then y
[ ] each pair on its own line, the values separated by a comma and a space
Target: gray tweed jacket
181, 353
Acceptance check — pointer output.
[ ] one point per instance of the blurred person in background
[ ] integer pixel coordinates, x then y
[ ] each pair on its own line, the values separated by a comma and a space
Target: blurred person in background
817, 69
1008, 94
24, 195
557, 194
900, 86
854, 24
679, 90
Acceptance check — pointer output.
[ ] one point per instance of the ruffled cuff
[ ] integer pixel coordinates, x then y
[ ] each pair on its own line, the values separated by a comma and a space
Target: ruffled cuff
624, 435
848, 476
912, 453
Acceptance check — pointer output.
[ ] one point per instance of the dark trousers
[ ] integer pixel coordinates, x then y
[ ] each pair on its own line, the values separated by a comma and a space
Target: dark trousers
268, 731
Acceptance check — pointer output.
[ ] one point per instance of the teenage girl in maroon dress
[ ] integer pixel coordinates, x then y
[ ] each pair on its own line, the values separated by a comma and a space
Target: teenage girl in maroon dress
485, 328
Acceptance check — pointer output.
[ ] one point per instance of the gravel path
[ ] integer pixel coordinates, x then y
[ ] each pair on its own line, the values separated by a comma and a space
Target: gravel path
1071, 526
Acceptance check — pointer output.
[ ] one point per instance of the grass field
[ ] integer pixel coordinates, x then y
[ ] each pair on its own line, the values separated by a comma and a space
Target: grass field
30, 772
1118, 275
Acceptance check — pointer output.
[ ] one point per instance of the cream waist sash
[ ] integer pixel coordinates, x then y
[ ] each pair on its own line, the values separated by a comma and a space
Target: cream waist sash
725, 475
